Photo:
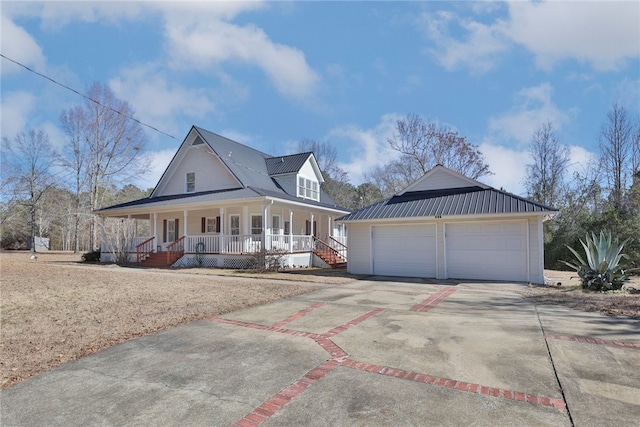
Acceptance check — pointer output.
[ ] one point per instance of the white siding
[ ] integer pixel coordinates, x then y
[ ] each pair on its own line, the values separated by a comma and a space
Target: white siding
211, 174
438, 180
359, 254
536, 251
307, 171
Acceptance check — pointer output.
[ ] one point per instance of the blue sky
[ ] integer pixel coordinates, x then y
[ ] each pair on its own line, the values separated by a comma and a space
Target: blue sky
269, 74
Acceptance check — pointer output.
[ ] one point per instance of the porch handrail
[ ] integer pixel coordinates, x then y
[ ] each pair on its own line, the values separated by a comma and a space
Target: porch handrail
176, 247
338, 242
144, 249
342, 248
325, 246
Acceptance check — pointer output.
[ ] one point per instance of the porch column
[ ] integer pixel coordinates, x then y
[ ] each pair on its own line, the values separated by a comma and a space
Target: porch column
246, 230
328, 227
312, 231
155, 231
265, 216
290, 231
245, 221
221, 244
184, 226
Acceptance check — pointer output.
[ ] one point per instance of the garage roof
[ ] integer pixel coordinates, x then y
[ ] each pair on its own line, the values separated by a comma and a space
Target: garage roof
474, 200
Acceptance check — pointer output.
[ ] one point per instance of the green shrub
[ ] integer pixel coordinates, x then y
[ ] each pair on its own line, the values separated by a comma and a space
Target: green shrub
93, 256
602, 270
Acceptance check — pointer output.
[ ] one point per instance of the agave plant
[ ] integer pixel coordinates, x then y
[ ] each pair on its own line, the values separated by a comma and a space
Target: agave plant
602, 270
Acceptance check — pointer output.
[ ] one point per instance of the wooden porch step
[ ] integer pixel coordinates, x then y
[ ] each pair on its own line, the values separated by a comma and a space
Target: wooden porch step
331, 258
159, 260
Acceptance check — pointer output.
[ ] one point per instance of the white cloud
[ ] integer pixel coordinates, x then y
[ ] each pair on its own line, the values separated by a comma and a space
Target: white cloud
508, 166
16, 108
478, 52
368, 147
210, 43
18, 45
533, 108
581, 158
158, 100
603, 34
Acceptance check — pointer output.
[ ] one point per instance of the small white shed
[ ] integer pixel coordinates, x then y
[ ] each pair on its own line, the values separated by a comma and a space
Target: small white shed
448, 226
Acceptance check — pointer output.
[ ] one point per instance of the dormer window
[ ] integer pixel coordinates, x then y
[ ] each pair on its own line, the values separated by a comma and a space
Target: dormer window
308, 189
191, 182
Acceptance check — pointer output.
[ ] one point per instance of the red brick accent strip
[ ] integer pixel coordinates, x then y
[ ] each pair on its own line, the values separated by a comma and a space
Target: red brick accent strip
351, 323
332, 348
594, 341
280, 399
433, 300
456, 385
265, 328
298, 315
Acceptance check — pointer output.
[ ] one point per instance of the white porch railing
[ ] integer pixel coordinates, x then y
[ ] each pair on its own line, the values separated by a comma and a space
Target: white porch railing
233, 244
246, 243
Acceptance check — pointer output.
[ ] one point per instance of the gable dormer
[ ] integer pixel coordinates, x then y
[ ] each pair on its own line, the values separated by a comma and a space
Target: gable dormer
442, 178
195, 168
309, 179
298, 174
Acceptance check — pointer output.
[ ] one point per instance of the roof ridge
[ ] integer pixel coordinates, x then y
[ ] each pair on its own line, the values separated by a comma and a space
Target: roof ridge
200, 129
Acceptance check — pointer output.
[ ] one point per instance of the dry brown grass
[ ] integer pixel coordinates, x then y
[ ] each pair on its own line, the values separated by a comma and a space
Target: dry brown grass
570, 294
53, 309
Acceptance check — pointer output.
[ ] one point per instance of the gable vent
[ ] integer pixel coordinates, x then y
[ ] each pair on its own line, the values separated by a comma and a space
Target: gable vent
198, 141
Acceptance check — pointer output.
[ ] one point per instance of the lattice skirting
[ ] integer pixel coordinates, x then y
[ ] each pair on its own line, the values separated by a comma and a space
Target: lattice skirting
237, 262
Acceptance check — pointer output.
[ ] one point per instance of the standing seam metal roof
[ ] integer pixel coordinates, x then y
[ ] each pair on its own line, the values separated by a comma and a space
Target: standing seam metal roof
448, 202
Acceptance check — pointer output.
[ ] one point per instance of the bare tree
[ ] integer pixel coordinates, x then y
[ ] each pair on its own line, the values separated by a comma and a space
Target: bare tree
423, 145
549, 160
104, 146
616, 151
31, 160
426, 144
336, 180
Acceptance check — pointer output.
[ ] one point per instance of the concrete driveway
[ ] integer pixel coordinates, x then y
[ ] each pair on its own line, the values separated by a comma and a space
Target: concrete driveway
371, 353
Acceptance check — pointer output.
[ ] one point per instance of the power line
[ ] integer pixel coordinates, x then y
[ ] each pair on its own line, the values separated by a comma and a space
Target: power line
121, 113
88, 97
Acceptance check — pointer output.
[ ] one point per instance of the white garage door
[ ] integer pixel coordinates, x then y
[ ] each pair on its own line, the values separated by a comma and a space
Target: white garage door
487, 250
404, 250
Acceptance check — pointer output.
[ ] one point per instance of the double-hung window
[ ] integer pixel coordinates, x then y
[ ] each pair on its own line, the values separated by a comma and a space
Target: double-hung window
234, 221
212, 225
191, 182
308, 189
256, 224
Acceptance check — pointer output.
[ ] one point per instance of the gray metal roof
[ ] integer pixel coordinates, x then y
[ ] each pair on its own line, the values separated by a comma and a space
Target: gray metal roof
448, 202
247, 164
286, 164
216, 196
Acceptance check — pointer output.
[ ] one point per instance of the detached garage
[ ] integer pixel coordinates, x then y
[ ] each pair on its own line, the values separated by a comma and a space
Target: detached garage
448, 226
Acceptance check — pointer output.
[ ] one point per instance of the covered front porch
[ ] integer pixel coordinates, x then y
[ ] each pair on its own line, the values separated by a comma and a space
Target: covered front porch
230, 236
